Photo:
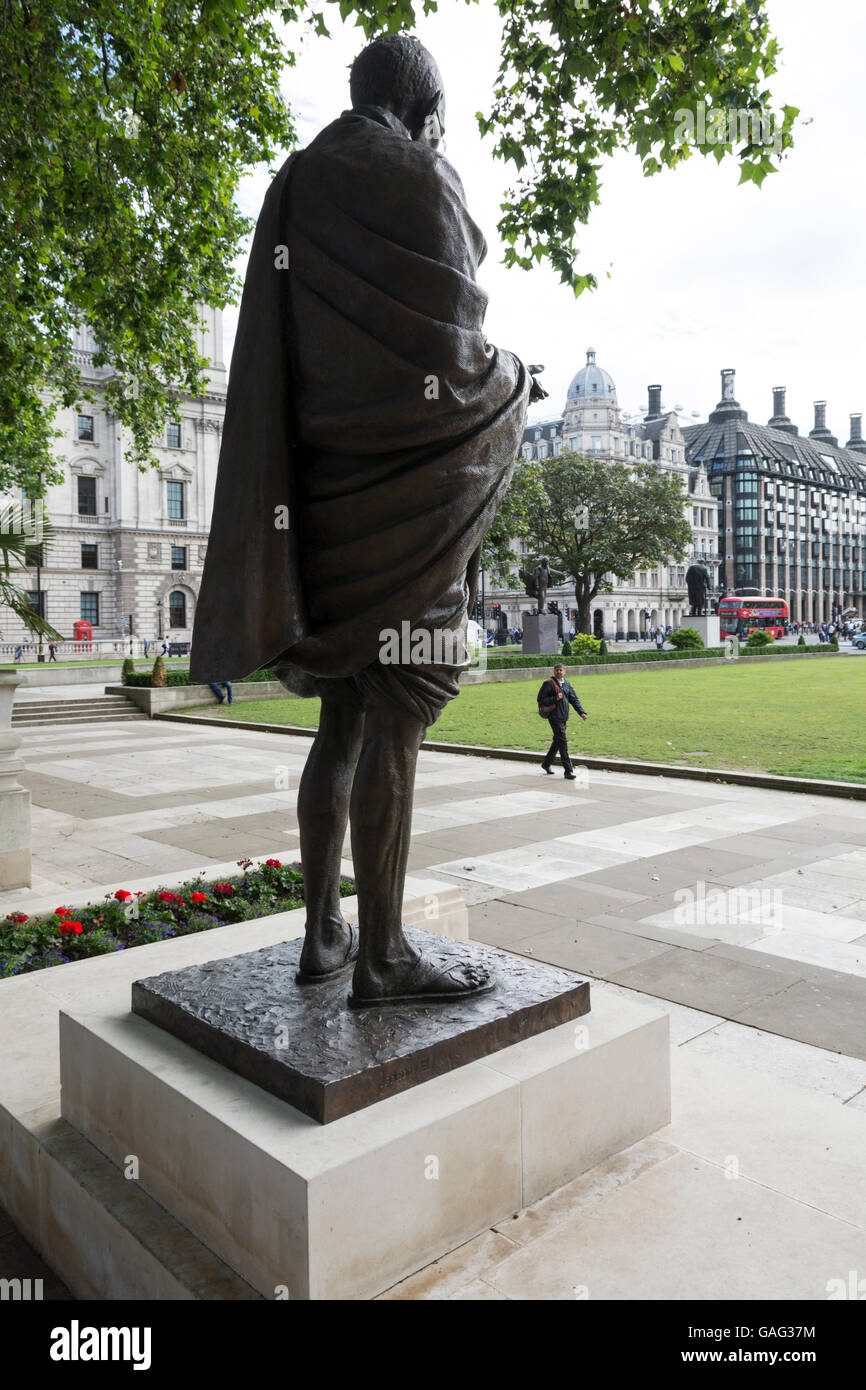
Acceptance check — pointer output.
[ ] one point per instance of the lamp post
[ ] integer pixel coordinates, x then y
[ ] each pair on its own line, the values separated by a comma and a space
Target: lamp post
40, 655
159, 616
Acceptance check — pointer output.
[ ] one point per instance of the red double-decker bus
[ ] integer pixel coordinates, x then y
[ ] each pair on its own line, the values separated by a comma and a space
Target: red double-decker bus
741, 614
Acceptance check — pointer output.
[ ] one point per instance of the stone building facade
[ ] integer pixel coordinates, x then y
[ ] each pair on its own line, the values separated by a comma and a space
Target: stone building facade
128, 546
593, 424
792, 517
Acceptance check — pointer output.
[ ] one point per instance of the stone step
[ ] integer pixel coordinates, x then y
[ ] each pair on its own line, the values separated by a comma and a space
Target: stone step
78, 719
67, 714
50, 706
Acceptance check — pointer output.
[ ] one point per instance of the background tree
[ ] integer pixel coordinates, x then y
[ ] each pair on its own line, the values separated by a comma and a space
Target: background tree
596, 519
125, 126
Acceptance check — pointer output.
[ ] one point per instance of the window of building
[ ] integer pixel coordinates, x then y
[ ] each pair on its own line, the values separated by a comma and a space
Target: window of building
34, 555
177, 609
178, 557
175, 500
596, 442
90, 608
85, 427
173, 434
87, 497
36, 601
89, 557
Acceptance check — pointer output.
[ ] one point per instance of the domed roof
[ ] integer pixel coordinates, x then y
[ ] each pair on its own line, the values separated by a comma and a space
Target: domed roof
592, 381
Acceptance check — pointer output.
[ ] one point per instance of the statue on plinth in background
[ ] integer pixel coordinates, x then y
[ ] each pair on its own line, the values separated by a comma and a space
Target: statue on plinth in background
699, 581
537, 581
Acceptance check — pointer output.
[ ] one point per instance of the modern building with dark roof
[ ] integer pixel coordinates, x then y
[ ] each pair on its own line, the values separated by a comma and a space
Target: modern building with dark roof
792, 520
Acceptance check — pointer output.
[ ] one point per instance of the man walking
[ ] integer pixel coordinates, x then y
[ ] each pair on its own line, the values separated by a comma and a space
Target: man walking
555, 696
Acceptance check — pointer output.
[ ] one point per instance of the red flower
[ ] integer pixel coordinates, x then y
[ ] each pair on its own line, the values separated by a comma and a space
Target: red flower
65, 927
166, 897
198, 897
122, 895
77, 928
16, 917
224, 888
63, 912
273, 864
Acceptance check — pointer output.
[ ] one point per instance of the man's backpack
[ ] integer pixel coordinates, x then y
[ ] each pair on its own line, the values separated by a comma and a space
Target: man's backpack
545, 708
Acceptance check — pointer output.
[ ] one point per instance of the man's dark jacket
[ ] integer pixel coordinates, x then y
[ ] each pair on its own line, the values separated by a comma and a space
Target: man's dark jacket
547, 693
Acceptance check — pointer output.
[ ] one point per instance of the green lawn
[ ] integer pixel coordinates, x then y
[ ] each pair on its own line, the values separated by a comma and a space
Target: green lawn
801, 718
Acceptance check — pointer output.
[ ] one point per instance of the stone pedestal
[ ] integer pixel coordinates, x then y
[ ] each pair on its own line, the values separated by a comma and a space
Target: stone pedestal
541, 633
707, 626
14, 799
345, 1210
307, 1046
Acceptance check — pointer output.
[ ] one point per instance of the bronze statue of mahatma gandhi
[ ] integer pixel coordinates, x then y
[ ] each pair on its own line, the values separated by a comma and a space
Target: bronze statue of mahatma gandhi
366, 406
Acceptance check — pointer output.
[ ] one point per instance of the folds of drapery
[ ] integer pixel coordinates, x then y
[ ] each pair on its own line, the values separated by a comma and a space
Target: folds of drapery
402, 427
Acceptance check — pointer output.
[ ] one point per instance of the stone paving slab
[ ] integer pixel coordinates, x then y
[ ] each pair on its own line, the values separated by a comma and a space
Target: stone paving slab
615, 853
704, 980
591, 949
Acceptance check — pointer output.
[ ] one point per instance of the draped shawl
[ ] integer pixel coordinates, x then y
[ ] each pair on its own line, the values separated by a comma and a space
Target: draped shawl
365, 402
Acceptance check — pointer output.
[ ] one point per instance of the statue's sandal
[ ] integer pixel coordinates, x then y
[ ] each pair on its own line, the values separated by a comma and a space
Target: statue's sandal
309, 977
429, 993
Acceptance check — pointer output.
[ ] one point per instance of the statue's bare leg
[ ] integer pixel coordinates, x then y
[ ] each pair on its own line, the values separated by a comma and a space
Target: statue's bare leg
381, 817
323, 813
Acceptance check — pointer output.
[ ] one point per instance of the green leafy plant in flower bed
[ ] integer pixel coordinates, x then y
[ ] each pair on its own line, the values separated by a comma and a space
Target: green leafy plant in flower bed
127, 919
608, 659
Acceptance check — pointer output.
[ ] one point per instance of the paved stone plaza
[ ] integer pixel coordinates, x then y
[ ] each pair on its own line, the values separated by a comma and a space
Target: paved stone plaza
740, 912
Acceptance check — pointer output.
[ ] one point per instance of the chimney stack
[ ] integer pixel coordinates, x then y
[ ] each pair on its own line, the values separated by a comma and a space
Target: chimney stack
821, 431
655, 402
780, 420
857, 442
728, 408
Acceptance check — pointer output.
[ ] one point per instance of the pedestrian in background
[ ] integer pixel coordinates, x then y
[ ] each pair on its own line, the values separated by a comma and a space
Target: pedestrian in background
554, 698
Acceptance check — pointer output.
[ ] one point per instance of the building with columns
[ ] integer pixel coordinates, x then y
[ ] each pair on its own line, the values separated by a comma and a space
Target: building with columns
129, 545
792, 518
593, 424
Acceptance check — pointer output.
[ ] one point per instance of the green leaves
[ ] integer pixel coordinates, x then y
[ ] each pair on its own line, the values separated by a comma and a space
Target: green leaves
576, 84
124, 131
595, 518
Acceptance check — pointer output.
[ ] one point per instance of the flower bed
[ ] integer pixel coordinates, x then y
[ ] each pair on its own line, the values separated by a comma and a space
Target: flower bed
126, 919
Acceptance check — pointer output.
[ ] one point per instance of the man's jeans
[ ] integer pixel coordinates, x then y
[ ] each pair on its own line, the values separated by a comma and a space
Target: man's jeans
559, 745
218, 691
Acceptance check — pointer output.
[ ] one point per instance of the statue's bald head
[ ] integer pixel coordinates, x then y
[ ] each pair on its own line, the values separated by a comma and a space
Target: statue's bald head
397, 73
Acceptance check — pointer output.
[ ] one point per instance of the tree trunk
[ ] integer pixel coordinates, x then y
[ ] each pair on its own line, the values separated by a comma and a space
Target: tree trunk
584, 618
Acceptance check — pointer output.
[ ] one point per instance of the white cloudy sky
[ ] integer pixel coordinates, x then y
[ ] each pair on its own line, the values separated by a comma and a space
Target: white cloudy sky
703, 273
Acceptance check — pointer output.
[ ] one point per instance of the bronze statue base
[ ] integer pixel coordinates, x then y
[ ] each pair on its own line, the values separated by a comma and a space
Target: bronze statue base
307, 1046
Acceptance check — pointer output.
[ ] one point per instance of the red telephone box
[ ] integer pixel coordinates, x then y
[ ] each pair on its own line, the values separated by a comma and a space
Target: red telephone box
82, 631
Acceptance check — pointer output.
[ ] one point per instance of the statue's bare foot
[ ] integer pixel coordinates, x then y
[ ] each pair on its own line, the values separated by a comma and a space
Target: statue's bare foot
426, 979
327, 950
